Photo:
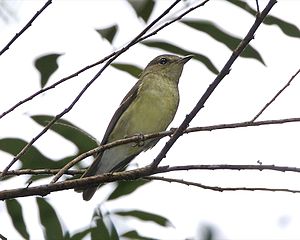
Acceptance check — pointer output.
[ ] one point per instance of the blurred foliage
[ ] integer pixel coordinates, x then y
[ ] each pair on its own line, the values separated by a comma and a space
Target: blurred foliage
46, 65
108, 33
102, 224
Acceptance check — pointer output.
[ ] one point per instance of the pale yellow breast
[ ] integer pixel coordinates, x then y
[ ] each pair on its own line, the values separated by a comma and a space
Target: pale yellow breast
152, 111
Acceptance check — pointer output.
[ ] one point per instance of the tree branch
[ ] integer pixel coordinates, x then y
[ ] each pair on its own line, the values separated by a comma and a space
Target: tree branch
165, 169
221, 189
25, 27
276, 95
184, 125
144, 172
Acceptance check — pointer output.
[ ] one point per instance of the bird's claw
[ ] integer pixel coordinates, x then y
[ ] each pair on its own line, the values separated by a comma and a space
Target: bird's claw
140, 141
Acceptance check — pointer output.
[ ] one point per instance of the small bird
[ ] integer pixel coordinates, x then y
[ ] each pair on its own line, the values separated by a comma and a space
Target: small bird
149, 107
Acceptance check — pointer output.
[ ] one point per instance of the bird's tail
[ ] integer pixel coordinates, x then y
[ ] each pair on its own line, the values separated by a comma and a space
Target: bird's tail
93, 170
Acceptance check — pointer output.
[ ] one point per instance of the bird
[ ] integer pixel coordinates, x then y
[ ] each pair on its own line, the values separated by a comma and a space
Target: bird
149, 107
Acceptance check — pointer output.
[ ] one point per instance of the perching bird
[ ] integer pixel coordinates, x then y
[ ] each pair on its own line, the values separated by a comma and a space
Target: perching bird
149, 107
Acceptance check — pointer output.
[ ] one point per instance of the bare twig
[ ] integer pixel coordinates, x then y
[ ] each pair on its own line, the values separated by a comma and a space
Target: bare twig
145, 173
274, 98
165, 169
212, 87
257, 8
69, 108
25, 27
221, 189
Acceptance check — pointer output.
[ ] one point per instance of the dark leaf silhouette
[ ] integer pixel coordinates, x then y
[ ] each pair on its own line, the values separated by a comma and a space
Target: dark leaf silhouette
14, 210
145, 216
82, 140
142, 8
135, 235
46, 65
286, 27
129, 68
49, 220
108, 33
221, 36
126, 187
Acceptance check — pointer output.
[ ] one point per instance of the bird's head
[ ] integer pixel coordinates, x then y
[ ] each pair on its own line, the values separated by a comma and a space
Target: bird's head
169, 66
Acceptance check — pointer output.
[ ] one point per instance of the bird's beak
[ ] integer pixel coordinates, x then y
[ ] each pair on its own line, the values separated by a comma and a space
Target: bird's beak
186, 59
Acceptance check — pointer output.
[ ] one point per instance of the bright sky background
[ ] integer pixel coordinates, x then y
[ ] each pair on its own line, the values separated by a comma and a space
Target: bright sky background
68, 27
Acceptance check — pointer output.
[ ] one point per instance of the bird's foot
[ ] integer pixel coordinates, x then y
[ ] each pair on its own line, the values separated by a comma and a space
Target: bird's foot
140, 141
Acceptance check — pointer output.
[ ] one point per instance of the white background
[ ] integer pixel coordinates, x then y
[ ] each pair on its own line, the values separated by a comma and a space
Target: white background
67, 26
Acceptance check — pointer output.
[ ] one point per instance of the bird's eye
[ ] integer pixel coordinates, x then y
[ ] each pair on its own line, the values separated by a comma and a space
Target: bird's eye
163, 61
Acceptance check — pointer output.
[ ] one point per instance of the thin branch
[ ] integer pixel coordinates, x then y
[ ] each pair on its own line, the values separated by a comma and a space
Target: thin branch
25, 27
45, 189
212, 87
221, 189
165, 169
42, 172
69, 108
144, 172
257, 8
277, 94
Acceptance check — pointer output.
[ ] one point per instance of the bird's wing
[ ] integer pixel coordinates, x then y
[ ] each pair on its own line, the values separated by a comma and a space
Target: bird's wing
127, 100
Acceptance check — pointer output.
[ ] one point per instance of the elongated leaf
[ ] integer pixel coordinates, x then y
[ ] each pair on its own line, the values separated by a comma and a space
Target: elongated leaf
46, 65
129, 68
177, 50
221, 36
145, 216
100, 231
80, 235
286, 27
135, 235
14, 209
126, 187
142, 8
49, 220
82, 140
108, 33
33, 157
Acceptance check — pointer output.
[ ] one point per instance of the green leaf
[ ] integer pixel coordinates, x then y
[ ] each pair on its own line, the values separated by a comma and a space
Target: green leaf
177, 50
108, 33
142, 8
129, 68
126, 187
101, 229
286, 27
145, 216
221, 36
80, 235
15, 212
46, 65
49, 220
135, 235
33, 158
82, 140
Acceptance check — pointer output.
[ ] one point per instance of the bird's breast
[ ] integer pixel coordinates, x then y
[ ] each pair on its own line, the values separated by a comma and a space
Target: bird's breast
152, 111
